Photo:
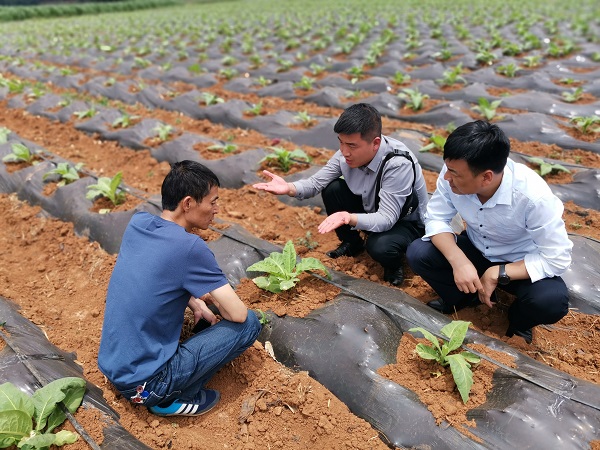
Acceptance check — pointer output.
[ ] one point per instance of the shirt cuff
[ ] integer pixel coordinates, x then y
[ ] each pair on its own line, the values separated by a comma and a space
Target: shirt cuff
535, 267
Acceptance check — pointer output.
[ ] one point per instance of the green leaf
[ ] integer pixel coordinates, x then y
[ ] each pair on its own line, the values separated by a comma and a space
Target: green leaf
288, 284
470, 357
68, 390
289, 257
12, 398
430, 337
463, 377
37, 442
427, 352
14, 426
455, 331
268, 284
311, 263
545, 168
268, 265
65, 437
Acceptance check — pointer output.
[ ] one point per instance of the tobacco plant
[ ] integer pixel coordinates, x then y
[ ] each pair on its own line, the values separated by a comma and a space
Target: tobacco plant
163, 131
460, 363
20, 153
572, 97
487, 109
304, 118
109, 188
545, 167
66, 172
284, 158
28, 421
282, 269
585, 124
436, 143
4, 132
414, 98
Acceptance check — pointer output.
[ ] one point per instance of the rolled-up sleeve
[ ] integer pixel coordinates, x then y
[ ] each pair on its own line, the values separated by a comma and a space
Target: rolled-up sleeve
547, 230
440, 210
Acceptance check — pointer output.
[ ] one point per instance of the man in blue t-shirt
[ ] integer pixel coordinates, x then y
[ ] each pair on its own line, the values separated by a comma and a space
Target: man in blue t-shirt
161, 269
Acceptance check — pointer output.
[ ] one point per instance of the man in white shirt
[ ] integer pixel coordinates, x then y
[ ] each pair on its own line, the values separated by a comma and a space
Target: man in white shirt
515, 237
364, 187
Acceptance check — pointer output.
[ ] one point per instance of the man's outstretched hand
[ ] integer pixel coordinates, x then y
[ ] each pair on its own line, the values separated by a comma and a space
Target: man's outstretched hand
277, 185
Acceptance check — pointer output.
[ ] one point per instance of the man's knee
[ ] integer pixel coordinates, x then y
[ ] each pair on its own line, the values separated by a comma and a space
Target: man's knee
417, 252
252, 325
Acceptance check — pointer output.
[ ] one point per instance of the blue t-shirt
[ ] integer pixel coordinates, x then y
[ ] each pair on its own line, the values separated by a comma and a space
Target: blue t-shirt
159, 266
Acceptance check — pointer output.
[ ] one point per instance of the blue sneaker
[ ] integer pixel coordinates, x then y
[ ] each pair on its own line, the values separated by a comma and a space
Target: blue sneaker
206, 400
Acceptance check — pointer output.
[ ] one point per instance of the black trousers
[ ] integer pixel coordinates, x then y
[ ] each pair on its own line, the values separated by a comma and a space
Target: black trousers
388, 247
543, 302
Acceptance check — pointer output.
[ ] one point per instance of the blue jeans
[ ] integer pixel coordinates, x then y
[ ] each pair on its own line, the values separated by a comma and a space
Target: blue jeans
196, 361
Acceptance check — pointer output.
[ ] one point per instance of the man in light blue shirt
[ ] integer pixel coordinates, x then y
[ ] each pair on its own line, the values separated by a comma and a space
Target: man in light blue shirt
515, 237
372, 183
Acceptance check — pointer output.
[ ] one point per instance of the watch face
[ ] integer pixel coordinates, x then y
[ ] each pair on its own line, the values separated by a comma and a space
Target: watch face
503, 279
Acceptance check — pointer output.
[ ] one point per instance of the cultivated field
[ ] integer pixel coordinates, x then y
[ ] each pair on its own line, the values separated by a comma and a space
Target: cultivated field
246, 85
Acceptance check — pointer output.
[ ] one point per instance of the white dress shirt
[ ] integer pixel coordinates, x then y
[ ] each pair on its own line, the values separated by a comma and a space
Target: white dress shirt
521, 221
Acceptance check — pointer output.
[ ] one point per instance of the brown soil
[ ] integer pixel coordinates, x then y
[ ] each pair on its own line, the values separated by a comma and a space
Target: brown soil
60, 280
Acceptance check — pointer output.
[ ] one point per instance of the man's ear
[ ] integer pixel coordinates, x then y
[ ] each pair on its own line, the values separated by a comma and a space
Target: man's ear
376, 143
488, 177
186, 203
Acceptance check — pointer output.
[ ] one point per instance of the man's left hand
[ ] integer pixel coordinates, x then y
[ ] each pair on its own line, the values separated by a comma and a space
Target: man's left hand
334, 221
489, 281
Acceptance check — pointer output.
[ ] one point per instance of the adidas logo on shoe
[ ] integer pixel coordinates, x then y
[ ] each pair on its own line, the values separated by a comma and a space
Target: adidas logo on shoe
206, 400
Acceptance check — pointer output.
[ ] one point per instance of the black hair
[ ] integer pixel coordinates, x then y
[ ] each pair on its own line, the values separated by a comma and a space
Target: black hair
186, 178
483, 145
359, 118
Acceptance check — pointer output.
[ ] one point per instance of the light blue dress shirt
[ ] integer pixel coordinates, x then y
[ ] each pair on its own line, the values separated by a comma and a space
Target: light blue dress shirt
521, 221
396, 186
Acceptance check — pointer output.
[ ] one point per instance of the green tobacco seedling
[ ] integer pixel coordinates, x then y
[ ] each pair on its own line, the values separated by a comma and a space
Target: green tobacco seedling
284, 158
4, 132
487, 109
546, 167
283, 270
19, 412
224, 148
436, 142
67, 173
20, 153
163, 131
109, 188
460, 363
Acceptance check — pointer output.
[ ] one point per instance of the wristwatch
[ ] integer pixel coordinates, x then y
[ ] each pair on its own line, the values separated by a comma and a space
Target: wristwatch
503, 277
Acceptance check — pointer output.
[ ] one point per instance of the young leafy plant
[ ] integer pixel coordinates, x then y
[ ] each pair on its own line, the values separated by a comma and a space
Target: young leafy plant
437, 142
66, 172
4, 132
460, 363
20, 153
28, 421
572, 97
224, 148
109, 188
284, 158
585, 124
124, 121
163, 131
487, 109
283, 269
546, 167
304, 118
414, 98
